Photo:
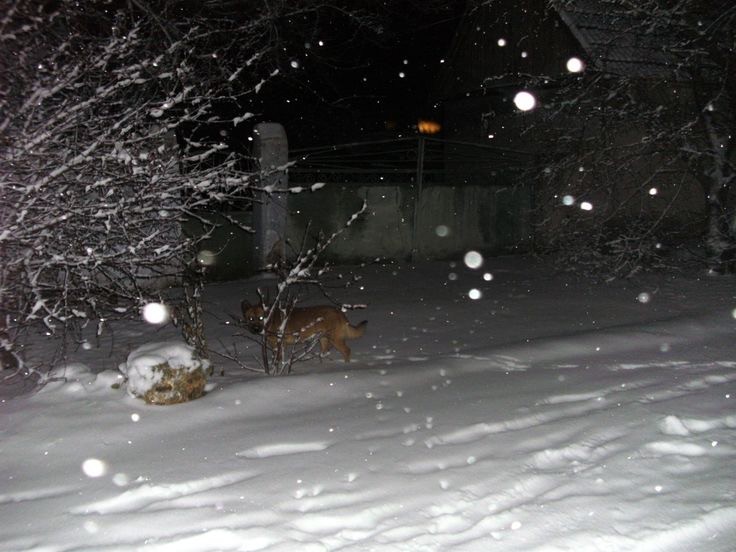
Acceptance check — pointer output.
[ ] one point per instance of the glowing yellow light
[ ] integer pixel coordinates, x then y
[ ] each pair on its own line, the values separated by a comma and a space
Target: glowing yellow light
428, 127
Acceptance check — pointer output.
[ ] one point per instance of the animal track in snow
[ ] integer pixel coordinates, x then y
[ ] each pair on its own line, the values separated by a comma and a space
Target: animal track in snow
480, 430
673, 425
578, 456
388, 432
437, 465
500, 363
134, 500
315, 500
642, 366
666, 448
596, 394
526, 490
690, 428
283, 449
34, 494
217, 540
695, 385
365, 521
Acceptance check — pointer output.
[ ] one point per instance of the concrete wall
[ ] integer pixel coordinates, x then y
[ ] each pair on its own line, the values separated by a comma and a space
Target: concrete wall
426, 199
446, 221
450, 220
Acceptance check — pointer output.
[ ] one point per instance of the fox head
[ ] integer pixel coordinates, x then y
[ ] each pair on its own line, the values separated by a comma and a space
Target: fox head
254, 316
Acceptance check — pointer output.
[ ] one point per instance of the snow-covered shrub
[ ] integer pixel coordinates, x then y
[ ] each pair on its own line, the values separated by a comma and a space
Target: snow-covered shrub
165, 373
120, 123
93, 195
612, 251
80, 378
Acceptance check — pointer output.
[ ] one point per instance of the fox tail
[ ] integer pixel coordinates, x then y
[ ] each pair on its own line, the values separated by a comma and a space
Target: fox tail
351, 332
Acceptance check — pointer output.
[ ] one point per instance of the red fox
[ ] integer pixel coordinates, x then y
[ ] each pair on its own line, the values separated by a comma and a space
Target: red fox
324, 322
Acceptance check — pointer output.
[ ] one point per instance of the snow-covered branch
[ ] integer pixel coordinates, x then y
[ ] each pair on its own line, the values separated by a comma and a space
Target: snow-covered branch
109, 144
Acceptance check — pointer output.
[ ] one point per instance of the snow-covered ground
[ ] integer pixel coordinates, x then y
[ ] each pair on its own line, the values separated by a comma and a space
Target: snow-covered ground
549, 414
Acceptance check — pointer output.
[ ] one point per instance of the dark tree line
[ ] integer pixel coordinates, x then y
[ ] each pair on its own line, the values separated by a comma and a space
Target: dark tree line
653, 153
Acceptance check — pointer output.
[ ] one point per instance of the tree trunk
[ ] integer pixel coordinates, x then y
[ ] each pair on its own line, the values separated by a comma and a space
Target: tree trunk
717, 181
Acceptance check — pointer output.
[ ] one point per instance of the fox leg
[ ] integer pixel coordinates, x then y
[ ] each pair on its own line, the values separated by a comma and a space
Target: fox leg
279, 353
324, 344
341, 346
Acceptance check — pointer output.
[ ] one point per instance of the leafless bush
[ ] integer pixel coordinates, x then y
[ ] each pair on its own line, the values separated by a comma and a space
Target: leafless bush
278, 352
108, 113
614, 251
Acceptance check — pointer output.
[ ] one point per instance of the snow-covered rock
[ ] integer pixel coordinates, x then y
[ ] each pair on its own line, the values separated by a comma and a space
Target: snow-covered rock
165, 373
76, 377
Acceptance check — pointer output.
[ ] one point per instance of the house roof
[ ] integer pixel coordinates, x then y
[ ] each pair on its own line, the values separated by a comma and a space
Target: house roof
619, 41
612, 37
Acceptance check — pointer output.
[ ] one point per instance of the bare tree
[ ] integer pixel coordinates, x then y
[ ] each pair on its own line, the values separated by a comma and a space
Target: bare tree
642, 138
119, 121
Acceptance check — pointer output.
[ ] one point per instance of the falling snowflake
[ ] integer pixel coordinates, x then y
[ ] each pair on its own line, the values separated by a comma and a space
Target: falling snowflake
525, 101
155, 313
473, 259
442, 231
575, 65
93, 467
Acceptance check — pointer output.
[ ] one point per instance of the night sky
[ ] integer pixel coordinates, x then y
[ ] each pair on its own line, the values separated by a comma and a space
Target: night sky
345, 86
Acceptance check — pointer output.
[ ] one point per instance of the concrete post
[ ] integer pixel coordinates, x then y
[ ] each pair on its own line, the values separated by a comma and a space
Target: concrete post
269, 211
417, 198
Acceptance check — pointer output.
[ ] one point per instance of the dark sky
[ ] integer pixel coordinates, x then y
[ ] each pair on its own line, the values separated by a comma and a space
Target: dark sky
345, 86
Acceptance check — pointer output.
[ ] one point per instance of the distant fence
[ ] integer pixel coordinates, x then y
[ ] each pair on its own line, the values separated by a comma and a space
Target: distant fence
418, 159
427, 198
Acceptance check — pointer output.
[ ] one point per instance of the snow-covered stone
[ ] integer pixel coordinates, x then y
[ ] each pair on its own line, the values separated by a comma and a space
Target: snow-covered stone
77, 377
165, 373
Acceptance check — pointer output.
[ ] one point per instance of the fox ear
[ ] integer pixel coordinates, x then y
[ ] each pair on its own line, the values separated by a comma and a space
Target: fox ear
244, 305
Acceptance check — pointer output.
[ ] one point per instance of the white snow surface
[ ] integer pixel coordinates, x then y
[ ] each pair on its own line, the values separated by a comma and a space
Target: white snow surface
551, 414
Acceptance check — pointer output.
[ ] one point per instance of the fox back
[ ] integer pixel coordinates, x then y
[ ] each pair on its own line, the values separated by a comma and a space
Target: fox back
324, 322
